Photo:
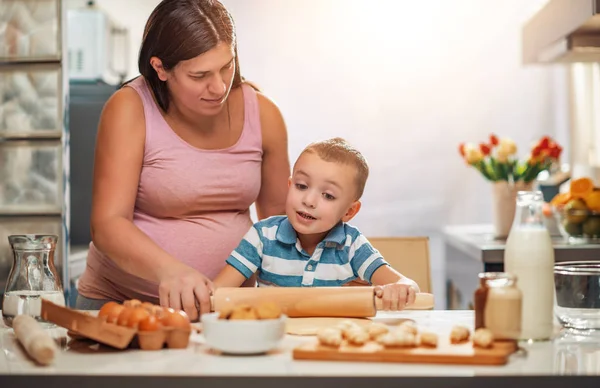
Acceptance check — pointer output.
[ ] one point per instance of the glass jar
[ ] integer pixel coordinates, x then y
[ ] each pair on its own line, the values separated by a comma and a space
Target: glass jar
498, 304
32, 277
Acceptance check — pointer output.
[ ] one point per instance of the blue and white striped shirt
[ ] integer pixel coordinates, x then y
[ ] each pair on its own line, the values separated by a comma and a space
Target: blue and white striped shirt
272, 249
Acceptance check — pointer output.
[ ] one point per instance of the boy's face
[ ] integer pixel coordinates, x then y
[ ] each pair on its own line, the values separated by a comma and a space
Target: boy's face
320, 194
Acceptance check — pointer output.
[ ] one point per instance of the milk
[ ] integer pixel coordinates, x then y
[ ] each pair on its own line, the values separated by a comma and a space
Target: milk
530, 256
28, 303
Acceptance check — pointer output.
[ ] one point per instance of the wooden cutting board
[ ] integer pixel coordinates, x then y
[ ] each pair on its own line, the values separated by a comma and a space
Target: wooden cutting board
445, 353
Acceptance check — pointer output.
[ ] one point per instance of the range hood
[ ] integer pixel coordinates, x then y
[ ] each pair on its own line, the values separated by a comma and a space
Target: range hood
563, 31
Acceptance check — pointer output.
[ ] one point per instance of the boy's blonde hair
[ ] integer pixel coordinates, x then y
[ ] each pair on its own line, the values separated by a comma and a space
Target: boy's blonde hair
338, 150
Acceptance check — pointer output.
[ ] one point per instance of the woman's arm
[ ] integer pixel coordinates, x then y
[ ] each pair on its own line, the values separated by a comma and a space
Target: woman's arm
117, 167
276, 164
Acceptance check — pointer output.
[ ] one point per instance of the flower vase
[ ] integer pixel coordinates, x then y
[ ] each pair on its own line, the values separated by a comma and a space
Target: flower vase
504, 205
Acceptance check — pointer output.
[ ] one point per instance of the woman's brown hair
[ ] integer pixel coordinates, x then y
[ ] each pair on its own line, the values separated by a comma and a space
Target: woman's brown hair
178, 30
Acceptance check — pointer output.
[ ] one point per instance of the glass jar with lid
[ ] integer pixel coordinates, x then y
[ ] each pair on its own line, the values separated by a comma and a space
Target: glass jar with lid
498, 304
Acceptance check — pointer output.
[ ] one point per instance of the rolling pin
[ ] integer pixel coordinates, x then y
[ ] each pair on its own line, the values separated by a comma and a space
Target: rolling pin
351, 302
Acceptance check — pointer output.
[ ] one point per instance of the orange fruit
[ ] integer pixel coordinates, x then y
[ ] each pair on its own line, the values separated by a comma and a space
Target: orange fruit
581, 187
560, 199
592, 200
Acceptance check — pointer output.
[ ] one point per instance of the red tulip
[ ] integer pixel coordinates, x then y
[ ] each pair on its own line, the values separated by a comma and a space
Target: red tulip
493, 140
485, 149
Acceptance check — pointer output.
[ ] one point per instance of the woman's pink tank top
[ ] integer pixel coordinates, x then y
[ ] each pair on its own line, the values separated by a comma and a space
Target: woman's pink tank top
193, 203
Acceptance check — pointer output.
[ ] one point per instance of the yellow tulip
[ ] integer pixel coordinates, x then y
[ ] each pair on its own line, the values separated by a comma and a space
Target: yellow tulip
472, 153
507, 146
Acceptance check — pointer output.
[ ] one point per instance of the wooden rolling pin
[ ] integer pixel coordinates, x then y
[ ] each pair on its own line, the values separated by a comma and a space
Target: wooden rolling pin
352, 302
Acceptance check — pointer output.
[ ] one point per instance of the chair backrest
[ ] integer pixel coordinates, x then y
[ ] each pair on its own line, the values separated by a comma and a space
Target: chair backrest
407, 255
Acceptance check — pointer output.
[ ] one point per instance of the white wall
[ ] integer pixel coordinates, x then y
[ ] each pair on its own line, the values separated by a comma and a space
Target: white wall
406, 81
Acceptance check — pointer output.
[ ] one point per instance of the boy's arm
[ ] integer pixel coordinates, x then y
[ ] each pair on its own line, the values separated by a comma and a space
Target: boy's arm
229, 277
243, 262
387, 275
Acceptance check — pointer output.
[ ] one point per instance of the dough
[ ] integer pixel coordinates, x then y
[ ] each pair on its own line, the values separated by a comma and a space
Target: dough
268, 310
377, 329
330, 336
409, 327
429, 339
398, 338
356, 335
311, 325
459, 334
483, 338
243, 312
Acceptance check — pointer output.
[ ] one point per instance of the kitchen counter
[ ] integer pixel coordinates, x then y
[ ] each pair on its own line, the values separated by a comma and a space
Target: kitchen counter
478, 242
83, 363
471, 249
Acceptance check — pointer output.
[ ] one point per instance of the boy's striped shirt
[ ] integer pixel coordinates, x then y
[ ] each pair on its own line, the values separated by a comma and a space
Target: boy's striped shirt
271, 248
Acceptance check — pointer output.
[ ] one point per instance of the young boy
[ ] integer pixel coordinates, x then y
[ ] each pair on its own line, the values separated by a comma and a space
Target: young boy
313, 245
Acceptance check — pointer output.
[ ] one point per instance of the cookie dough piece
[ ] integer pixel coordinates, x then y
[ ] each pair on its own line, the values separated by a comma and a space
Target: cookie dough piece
376, 329
356, 336
346, 326
429, 339
225, 314
483, 338
409, 327
268, 310
330, 336
398, 339
243, 312
459, 334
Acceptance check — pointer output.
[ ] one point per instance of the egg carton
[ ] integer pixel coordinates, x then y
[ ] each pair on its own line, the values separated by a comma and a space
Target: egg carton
81, 324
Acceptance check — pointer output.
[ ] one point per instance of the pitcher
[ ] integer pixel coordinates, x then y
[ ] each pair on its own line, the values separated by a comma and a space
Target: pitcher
32, 277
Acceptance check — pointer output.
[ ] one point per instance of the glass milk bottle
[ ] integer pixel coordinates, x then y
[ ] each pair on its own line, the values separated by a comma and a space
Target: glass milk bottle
529, 255
32, 277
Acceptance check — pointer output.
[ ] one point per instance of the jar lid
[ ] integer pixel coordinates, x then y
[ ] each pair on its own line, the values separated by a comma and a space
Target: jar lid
33, 241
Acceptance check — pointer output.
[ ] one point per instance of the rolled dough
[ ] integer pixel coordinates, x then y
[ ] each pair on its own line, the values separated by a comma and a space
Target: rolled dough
310, 326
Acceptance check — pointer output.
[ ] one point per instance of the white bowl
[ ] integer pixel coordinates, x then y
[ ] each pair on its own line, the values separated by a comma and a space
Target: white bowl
242, 336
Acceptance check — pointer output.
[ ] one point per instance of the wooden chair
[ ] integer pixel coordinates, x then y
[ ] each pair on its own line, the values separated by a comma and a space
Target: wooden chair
407, 255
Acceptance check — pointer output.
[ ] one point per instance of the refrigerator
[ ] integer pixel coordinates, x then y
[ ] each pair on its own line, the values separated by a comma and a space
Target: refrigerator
34, 135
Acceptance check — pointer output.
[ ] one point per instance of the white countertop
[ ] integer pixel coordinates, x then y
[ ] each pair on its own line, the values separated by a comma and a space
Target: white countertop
565, 355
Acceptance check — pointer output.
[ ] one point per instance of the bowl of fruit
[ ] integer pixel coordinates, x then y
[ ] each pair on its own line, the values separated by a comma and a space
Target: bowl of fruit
577, 211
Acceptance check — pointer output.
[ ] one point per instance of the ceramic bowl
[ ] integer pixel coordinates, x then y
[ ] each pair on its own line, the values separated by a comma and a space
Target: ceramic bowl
242, 336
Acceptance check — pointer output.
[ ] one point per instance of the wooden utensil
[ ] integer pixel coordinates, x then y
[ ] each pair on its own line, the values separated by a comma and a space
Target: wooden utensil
445, 353
90, 326
312, 301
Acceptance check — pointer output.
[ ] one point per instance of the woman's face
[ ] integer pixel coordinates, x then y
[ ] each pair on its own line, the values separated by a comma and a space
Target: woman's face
202, 84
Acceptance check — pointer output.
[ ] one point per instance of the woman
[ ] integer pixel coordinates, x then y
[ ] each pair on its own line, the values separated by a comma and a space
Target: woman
182, 152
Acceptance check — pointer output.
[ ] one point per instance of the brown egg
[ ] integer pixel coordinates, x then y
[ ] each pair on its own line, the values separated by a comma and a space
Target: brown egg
107, 309
137, 315
132, 303
159, 312
177, 319
148, 306
150, 323
123, 318
114, 314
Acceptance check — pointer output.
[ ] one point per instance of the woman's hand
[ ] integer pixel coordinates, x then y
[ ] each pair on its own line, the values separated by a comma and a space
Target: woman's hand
395, 296
186, 289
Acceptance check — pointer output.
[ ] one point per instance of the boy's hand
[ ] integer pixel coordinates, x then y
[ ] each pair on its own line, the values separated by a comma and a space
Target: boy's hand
395, 296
